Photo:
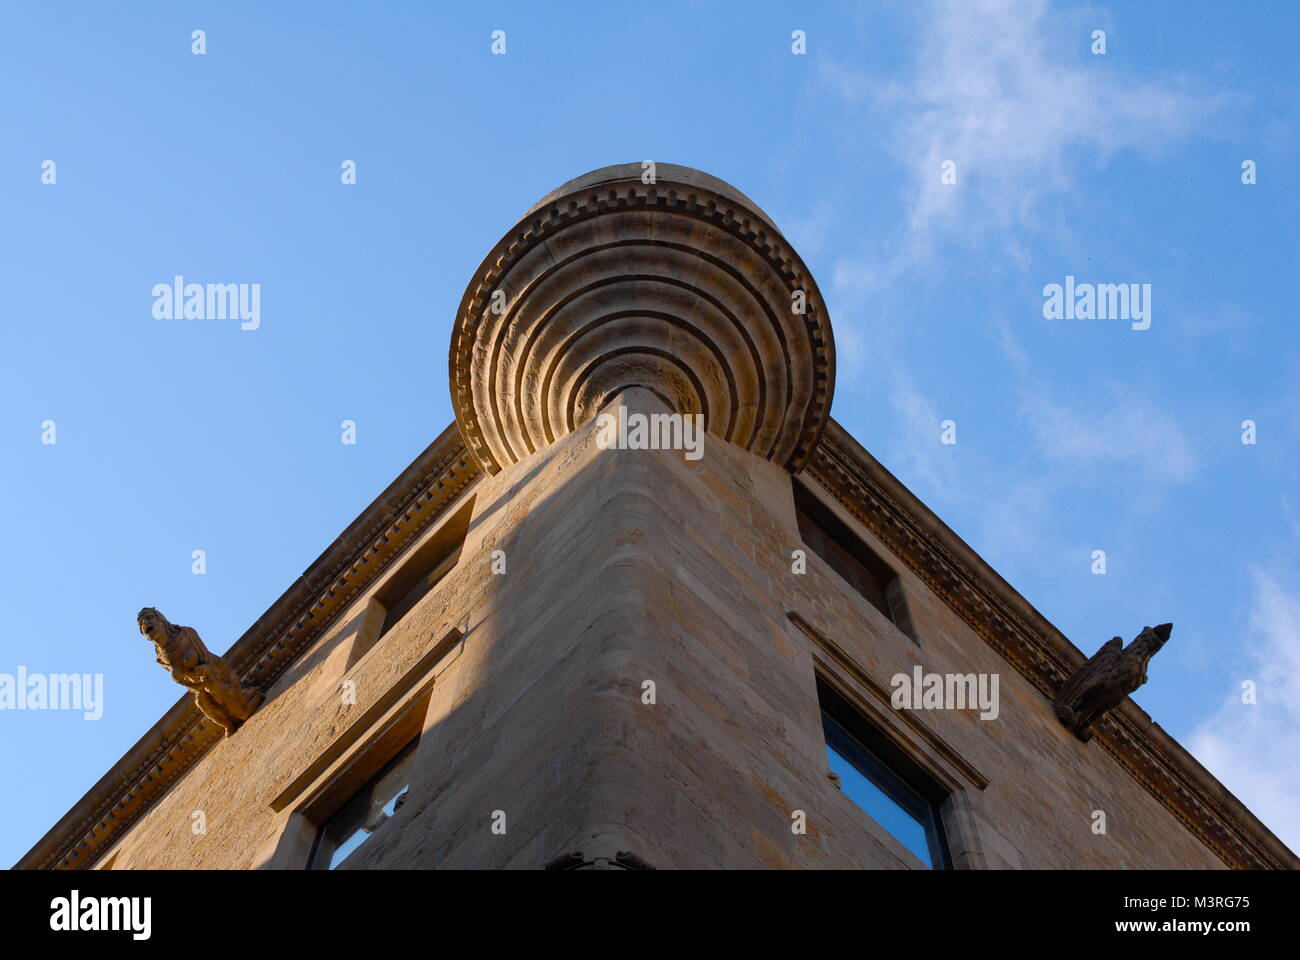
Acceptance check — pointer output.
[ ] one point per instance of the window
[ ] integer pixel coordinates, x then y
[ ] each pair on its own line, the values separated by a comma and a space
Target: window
349, 827
362, 778
429, 564
878, 776
831, 539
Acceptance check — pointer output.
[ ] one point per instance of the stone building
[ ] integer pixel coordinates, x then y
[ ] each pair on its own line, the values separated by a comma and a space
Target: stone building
553, 643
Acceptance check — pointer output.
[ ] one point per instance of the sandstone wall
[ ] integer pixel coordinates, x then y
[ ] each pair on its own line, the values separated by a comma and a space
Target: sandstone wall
622, 567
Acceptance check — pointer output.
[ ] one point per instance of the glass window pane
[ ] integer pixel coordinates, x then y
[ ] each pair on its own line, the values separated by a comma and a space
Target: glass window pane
904, 827
364, 812
882, 782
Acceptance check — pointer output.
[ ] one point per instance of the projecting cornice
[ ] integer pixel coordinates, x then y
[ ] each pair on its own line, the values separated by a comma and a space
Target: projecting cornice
681, 286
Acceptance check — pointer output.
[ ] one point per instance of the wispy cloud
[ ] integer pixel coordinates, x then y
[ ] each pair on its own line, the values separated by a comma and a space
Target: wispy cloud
1253, 748
1009, 93
1118, 426
1122, 430
1119, 438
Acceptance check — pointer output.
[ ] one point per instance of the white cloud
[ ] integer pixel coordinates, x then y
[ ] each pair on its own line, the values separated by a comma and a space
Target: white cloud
1121, 431
1255, 749
1118, 435
1008, 92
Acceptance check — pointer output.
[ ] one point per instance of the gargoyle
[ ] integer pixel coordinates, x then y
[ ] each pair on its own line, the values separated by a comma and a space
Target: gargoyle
217, 690
1109, 675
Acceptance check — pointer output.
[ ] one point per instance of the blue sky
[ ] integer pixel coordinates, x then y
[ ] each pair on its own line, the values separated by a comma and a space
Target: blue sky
1072, 435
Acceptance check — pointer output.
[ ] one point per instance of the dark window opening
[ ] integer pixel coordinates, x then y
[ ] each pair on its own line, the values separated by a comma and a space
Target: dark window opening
349, 827
832, 540
878, 775
421, 573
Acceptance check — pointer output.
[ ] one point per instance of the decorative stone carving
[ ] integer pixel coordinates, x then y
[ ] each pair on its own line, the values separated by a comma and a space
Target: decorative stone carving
681, 286
566, 861
1108, 676
218, 692
631, 861
577, 860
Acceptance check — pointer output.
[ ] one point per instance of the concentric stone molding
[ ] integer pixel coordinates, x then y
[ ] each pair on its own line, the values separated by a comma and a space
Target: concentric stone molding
1040, 653
178, 741
681, 286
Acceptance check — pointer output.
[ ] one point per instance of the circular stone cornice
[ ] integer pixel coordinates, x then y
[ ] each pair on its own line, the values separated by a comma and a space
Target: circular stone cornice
683, 287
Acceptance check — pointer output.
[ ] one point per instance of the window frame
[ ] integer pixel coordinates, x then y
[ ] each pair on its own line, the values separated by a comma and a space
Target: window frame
406, 754
353, 758
888, 596
875, 755
418, 575
846, 678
